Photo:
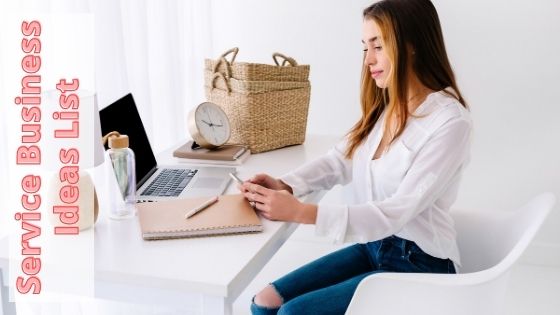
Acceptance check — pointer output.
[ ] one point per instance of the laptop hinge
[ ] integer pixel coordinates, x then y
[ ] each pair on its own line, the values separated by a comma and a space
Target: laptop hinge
145, 178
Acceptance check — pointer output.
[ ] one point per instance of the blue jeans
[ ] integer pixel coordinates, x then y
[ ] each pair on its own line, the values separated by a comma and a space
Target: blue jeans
326, 285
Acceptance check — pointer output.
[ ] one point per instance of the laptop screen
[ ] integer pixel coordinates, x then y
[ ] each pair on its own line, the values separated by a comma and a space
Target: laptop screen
122, 116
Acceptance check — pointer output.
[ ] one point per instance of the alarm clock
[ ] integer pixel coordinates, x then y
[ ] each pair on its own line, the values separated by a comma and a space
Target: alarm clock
208, 125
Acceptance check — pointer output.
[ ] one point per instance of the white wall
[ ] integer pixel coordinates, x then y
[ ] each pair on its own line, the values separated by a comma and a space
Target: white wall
324, 34
505, 56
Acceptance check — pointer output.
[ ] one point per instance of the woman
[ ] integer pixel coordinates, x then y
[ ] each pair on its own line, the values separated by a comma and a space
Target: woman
404, 158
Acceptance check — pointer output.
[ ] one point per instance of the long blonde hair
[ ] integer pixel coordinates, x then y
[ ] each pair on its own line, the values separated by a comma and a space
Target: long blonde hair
404, 24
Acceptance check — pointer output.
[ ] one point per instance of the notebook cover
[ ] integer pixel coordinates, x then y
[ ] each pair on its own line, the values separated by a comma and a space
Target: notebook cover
240, 160
223, 153
166, 219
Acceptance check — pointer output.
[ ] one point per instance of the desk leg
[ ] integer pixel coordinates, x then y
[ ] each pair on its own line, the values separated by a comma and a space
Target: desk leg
8, 308
216, 305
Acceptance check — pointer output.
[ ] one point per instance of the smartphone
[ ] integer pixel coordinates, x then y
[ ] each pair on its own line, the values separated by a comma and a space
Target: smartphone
237, 179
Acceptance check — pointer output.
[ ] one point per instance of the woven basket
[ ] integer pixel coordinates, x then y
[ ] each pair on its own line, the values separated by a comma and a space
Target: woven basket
263, 114
287, 70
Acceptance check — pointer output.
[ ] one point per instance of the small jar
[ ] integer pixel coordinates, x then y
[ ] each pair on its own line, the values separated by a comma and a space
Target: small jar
123, 199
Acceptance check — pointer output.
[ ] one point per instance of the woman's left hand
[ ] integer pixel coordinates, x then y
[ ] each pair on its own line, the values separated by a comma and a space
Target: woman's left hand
276, 205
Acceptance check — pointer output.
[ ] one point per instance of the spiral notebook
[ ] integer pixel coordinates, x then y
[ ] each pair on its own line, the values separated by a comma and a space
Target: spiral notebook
166, 219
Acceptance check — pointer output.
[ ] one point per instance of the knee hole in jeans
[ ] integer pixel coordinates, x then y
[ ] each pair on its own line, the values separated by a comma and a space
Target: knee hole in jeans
268, 297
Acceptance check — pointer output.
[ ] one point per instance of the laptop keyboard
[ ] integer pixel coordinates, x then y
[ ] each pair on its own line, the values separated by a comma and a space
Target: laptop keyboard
169, 183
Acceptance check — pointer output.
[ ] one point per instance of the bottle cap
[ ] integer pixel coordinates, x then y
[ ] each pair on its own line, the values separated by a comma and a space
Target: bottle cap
116, 140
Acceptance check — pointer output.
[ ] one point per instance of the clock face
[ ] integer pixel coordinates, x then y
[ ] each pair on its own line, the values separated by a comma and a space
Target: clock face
212, 123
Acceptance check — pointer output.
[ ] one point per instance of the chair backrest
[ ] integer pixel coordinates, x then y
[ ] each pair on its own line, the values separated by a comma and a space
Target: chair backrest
498, 238
489, 241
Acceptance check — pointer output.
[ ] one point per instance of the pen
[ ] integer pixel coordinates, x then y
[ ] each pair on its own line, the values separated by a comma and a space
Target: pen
239, 153
203, 206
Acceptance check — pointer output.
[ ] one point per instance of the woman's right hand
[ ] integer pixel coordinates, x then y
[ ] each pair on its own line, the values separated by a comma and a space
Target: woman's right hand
270, 182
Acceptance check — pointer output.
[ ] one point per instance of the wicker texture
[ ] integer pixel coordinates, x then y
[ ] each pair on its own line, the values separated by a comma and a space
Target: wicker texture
264, 114
285, 69
252, 87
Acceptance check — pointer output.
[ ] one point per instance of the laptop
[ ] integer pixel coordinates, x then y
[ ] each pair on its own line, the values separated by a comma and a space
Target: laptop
158, 182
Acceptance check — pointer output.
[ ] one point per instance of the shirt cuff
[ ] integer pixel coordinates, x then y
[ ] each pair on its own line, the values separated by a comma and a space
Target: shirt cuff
299, 187
332, 221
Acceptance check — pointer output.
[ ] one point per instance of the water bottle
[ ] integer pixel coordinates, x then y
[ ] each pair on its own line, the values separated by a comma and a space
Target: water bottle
123, 199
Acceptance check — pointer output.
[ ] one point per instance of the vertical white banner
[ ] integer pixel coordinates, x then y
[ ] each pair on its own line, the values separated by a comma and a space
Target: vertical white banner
48, 201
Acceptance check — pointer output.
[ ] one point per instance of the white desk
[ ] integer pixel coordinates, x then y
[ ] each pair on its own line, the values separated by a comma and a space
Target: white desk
203, 275
199, 275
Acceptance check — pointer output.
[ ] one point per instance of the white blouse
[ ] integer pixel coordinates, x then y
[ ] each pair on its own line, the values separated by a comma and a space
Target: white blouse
406, 192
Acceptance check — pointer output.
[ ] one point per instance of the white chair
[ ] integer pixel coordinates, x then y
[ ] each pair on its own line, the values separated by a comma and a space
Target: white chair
490, 243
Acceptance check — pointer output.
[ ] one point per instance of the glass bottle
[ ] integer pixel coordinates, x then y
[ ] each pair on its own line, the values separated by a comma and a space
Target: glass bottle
123, 199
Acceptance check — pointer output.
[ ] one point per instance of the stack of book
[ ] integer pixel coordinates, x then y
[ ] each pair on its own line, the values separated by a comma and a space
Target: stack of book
224, 155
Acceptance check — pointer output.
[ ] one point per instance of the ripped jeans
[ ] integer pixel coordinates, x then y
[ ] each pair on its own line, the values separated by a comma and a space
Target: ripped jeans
326, 285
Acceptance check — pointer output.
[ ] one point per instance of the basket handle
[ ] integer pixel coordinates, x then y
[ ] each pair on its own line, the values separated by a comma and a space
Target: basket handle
222, 59
234, 50
286, 60
221, 76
